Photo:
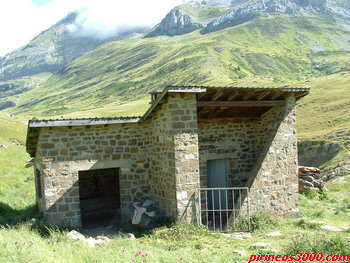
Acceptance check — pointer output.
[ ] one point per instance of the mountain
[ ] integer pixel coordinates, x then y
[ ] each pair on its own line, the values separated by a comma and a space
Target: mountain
48, 52
252, 9
176, 22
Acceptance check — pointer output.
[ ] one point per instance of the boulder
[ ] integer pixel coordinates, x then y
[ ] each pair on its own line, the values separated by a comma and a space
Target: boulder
310, 178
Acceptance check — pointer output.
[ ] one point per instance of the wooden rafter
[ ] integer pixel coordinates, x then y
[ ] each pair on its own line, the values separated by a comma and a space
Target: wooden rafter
276, 95
217, 95
201, 95
233, 95
248, 95
263, 95
241, 103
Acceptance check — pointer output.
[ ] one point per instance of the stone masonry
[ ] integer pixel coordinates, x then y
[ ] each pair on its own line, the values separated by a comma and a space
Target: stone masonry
164, 158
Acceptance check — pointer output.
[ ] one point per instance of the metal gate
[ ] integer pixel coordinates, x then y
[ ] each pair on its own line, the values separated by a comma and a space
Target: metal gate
224, 209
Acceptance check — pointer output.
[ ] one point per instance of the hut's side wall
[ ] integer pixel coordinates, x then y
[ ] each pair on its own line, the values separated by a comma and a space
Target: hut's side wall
63, 152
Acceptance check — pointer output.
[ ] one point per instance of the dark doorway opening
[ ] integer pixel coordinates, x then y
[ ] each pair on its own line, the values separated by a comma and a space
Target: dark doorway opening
99, 197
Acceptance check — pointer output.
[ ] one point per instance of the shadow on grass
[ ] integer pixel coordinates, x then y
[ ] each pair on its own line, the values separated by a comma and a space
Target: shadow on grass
10, 216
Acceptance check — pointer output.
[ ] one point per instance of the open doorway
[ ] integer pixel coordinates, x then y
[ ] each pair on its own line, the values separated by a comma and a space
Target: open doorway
99, 197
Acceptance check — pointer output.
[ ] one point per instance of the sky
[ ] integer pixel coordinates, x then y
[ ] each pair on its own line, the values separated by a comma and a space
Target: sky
22, 20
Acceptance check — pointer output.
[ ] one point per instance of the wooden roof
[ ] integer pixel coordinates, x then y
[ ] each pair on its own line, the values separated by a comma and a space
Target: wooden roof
222, 103
242, 103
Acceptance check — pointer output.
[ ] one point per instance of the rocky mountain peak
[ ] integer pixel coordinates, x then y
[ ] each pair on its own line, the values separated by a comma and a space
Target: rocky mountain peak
249, 10
176, 22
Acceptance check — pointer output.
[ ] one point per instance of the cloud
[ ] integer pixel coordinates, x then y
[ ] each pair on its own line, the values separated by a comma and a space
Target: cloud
104, 18
22, 20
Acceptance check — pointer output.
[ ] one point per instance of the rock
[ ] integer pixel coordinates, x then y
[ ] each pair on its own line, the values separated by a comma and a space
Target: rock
260, 245
248, 11
274, 234
317, 222
92, 242
242, 253
3, 146
304, 169
310, 178
332, 228
242, 236
104, 238
176, 22
75, 235
130, 235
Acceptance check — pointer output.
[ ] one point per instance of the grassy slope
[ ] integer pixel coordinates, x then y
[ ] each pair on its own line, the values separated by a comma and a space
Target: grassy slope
326, 109
276, 50
16, 182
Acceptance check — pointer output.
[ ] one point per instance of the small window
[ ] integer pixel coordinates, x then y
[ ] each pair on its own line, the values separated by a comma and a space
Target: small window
38, 183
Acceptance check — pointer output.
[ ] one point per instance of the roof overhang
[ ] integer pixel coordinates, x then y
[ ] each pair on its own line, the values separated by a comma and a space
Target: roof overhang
227, 103
243, 103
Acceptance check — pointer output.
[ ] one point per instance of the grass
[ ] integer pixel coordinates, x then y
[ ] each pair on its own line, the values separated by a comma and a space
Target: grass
16, 182
325, 109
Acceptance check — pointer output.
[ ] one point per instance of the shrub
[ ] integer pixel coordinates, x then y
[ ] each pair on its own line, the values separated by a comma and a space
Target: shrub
306, 224
332, 245
315, 195
262, 221
311, 194
259, 221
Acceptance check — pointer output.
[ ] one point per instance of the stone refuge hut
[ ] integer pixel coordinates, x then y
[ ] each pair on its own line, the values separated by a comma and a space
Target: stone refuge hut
189, 138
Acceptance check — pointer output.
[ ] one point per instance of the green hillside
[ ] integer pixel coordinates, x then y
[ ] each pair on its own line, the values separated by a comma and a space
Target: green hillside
16, 182
280, 50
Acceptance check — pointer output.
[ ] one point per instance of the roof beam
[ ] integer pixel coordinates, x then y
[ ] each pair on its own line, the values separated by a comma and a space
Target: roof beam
298, 95
276, 95
233, 95
217, 95
241, 103
263, 95
248, 95
201, 110
201, 95
227, 119
79, 122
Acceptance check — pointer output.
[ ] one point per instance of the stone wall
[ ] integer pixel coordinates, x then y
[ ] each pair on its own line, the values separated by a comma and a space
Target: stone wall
262, 154
185, 132
38, 172
234, 141
175, 166
64, 151
162, 178
274, 178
